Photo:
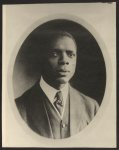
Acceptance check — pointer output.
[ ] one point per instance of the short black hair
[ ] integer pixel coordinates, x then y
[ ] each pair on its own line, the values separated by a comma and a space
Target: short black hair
52, 35
60, 33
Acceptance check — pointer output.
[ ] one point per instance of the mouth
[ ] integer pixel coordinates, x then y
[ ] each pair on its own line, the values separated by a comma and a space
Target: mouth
63, 72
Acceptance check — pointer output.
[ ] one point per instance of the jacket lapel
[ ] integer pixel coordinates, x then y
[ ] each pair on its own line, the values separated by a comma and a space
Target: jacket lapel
37, 116
77, 112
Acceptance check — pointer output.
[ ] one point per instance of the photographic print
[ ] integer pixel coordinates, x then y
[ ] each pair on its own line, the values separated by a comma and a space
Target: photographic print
59, 75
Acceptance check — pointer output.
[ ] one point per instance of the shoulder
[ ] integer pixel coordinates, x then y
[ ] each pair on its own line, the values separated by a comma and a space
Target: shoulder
31, 92
25, 95
88, 100
90, 104
25, 99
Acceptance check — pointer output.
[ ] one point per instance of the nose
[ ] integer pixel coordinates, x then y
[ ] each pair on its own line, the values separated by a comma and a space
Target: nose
63, 59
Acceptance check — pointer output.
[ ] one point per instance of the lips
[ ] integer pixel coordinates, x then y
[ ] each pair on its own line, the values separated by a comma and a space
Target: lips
63, 72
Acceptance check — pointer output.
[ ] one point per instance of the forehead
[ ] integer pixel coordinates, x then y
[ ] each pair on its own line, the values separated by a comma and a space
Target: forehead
64, 43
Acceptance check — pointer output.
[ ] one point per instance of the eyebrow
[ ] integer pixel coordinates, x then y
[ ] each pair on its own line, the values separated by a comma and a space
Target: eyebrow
67, 50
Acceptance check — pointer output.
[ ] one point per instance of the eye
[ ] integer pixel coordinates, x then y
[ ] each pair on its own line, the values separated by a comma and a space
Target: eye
71, 54
53, 54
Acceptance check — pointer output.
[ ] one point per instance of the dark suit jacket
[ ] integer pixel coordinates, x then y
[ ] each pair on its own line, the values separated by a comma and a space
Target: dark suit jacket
30, 106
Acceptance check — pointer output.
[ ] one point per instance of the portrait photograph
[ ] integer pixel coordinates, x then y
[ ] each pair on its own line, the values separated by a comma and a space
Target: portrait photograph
59, 75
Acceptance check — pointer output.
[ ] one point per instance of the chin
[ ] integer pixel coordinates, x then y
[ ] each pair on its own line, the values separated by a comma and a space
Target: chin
62, 80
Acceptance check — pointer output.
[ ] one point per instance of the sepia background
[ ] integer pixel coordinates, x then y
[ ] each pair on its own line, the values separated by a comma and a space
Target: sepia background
98, 56
90, 75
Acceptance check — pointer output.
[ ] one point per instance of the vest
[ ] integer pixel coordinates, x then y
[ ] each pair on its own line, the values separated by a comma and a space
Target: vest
60, 128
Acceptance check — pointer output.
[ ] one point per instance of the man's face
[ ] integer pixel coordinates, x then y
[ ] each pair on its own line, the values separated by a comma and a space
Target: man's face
60, 62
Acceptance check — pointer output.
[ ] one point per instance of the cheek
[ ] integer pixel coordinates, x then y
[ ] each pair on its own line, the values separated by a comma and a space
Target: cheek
73, 63
52, 63
73, 67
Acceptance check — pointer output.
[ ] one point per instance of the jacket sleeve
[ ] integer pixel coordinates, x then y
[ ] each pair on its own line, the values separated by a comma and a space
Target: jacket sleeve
21, 108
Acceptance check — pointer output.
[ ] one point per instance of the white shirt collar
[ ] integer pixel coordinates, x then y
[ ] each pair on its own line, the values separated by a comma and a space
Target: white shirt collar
51, 92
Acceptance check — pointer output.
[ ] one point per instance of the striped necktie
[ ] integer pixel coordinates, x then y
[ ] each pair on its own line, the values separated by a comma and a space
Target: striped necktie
59, 102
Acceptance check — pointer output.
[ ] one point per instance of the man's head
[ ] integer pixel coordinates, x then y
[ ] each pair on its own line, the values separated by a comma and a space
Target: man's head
59, 61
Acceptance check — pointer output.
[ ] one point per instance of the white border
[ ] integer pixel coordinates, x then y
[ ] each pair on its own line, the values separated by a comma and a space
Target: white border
109, 78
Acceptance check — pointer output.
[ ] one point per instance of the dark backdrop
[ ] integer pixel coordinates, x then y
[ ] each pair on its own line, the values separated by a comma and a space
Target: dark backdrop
90, 75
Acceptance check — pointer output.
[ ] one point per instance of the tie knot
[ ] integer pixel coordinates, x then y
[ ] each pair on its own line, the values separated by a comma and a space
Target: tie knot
59, 95
59, 101
59, 98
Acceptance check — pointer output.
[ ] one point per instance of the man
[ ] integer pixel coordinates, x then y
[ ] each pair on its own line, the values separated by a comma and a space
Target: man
52, 108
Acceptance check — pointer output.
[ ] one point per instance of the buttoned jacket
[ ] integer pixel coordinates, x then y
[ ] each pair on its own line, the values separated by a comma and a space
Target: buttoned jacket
32, 110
